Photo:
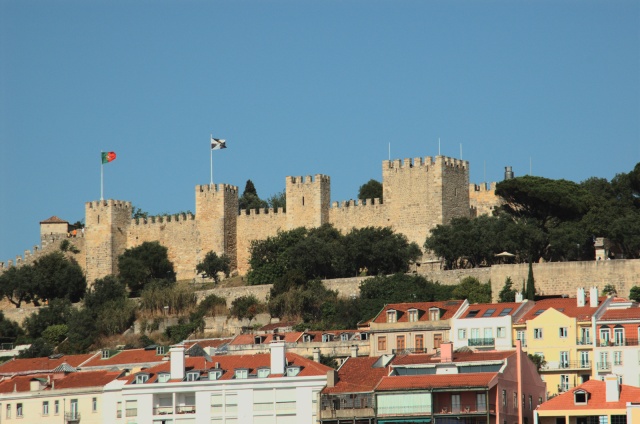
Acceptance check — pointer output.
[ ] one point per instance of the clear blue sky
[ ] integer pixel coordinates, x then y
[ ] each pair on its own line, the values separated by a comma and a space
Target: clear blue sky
302, 87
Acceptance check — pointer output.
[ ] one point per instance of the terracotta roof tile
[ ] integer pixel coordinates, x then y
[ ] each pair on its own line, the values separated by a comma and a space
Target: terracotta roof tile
54, 220
276, 325
566, 305
124, 357
437, 381
449, 307
457, 357
250, 339
498, 308
22, 383
357, 375
597, 398
34, 365
208, 342
632, 313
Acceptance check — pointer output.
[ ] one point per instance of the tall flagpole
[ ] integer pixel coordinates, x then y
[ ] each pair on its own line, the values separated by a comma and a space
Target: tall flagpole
101, 177
211, 160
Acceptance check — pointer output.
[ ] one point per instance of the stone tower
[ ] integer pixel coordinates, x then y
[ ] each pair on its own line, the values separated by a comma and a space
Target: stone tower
308, 201
106, 226
424, 192
216, 218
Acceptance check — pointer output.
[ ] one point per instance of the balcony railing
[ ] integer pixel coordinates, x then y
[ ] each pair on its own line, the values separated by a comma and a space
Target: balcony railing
163, 410
565, 387
583, 341
617, 362
408, 350
487, 341
464, 408
346, 402
404, 410
623, 342
72, 417
603, 366
563, 365
186, 409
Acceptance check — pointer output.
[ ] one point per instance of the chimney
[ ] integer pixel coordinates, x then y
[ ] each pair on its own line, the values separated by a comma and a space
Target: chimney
316, 354
613, 389
446, 352
176, 355
581, 296
332, 378
593, 297
519, 297
278, 358
354, 351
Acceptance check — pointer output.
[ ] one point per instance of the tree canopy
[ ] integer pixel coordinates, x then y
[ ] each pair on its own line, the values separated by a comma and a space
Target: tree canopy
250, 199
370, 190
143, 264
212, 264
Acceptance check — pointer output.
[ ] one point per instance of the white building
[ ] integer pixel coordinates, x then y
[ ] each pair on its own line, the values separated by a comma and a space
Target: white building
270, 388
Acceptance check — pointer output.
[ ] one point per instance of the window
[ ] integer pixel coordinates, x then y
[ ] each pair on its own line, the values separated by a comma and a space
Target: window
161, 350
505, 312
327, 338
501, 332
419, 342
131, 408
475, 333
462, 333
605, 336
562, 332
292, 371
504, 397
515, 400
488, 333
617, 357
263, 372
537, 333
105, 353
216, 404
19, 410
307, 338
392, 316
488, 312
285, 400
344, 337
94, 404
231, 403
617, 419
564, 383
530, 403
618, 336
400, 342
580, 397
45, 407
413, 315
382, 343
8, 410
56, 407
163, 377
241, 373
141, 378
472, 313
434, 314
564, 359
538, 312
193, 376
119, 410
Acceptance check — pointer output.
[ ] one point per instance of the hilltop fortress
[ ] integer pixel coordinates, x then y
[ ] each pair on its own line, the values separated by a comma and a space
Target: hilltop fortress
418, 194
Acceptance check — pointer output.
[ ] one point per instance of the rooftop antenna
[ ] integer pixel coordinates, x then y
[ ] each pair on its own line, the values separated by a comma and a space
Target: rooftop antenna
460, 150
530, 165
389, 151
485, 171
438, 146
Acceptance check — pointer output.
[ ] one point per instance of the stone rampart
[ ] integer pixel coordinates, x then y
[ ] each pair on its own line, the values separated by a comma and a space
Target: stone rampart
350, 214
256, 225
483, 199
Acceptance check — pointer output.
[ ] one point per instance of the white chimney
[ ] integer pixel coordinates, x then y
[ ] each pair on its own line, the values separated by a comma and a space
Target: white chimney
581, 296
278, 358
354, 351
176, 358
316, 354
519, 297
593, 297
613, 389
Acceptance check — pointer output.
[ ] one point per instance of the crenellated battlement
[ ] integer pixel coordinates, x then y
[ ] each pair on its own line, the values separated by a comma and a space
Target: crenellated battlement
360, 203
118, 204
163, 219
482, 187
217, 188
265, 211
318, 178
427, 161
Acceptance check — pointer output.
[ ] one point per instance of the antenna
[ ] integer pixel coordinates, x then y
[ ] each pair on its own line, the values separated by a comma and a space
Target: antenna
530, 165
438, 146
485, 171
460, 150
389, 151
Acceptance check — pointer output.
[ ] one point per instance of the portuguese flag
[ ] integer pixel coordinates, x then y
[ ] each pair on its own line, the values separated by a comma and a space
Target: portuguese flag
108, 157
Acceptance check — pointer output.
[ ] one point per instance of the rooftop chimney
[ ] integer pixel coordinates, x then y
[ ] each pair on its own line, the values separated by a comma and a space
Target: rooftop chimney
581, 296
593, 297
176, 355
278, 358
332, 378
354, 351
613, 389
316, 354
446, 352
519, 297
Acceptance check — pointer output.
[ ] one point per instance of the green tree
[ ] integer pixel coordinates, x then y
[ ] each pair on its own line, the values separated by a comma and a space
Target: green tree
269, 260
370, 190
531, 289
634, 293
57, 277
38, 349
212, 264
246, 307
57, 312
472, 289
104, 290
537, 360
609, 289
17, 285
137, 213
250, 199
10, 331
379, 250
143, 264
83, 331
54, 334
278, 200
507, 294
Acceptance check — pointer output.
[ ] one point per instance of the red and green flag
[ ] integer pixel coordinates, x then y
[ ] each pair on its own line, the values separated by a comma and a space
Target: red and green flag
108, 157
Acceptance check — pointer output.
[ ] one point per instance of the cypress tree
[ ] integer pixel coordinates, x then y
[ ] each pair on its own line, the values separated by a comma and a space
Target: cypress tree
531, 289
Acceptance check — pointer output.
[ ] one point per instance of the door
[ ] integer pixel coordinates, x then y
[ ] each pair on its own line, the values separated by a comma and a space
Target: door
481, 402
437, 340
74, 409
564, 359
584, 360
455, 404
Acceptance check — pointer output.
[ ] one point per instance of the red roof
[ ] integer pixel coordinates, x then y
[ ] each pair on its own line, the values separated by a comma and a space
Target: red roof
448, 307
277, 325
482, 308
457, 357
207, 343
22, 383
54, 220
229, 363
631, 313
566, 305
357, 375
250, 339
34, 365
596, 399
443, 381
125, 357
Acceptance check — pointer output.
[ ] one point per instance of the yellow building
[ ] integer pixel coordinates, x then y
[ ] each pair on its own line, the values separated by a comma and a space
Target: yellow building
561, 330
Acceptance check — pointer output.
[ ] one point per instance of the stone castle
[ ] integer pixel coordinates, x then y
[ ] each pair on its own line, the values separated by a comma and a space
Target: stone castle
418, 194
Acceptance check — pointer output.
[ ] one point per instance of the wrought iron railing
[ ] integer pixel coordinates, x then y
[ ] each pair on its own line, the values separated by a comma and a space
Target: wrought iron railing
186, 409
562, 365
463, 408
487, 341
72, 417
163, 410
347, 401
584, 341
408, 350
603, 366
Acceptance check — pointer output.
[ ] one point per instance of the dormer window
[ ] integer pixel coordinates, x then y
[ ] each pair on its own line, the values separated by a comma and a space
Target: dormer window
264, 372
580, 397
241, 373
215, 375
161, 350
292, 371
392, 316
307, 338
344, 337
327, 337
413, 315
257, 340
434, 314
163, 377
141, 378
193, 376
105, 354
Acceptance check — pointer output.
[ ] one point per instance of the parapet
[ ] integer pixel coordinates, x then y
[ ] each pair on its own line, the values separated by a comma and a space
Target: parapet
356, 203
482, 187
217, 188
261, 211
159, 219
118, 204
426, 162
318, 178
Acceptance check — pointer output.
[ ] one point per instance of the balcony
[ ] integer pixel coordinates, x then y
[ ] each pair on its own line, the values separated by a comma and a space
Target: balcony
465, 408
565, 365
163, 410
185, 409
409, 350
349, 406
72, 417
584, 341
485, 342
399, 411
603, 366
565, 387
619, 342
522, 341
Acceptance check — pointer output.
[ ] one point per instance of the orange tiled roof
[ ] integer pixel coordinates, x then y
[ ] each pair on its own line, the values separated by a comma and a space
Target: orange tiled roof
357, 375
482, 308
276, 325
443, 381
249, 339
450, 307
54, 220
621, 314
457, 357
208, 342
124, 357
34, 365
22, 383
597, 398
566, 305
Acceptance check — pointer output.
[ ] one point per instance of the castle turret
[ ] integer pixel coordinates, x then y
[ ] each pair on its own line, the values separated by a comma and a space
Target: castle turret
308, 201
216, 217
106, 225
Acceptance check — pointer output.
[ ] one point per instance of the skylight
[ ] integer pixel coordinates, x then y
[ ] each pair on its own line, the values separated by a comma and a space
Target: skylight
488, 312
472, 313
505, 312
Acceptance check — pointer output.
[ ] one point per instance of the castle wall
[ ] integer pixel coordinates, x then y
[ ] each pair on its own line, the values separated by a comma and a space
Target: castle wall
216, 215
453, 186
257, 225
345, 216
483, 199
308, 201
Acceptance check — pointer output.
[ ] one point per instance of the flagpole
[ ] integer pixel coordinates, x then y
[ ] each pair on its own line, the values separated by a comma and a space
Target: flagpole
101, 177
211, 162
